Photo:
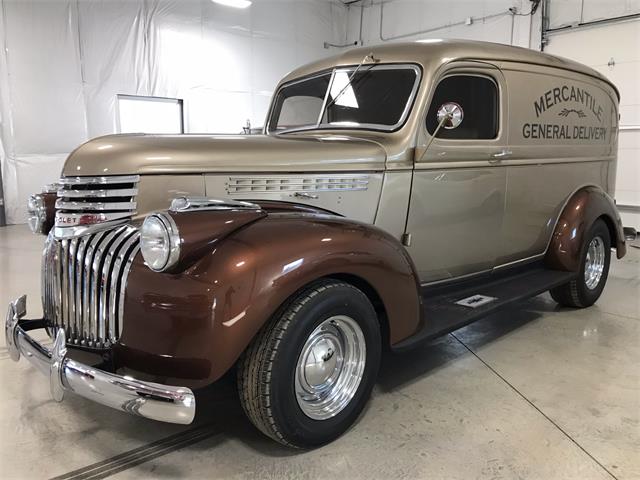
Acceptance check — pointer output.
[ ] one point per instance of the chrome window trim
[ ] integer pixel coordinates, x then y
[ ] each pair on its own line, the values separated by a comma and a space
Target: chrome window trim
356, 126
500, 99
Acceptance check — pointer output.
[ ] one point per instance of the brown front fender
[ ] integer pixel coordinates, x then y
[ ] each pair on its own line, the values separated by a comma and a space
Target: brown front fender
191, 327
581, 211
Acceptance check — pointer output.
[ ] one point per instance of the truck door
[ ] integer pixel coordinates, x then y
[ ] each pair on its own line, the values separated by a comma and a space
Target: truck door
457, 199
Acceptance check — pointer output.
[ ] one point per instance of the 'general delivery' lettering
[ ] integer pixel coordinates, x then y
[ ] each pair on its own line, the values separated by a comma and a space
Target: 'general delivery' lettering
563, 132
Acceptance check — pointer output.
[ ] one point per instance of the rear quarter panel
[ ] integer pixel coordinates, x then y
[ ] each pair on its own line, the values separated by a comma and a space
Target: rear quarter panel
563, 137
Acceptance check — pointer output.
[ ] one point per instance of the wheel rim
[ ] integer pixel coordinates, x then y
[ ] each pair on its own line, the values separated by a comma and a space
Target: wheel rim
594, 263
330, 367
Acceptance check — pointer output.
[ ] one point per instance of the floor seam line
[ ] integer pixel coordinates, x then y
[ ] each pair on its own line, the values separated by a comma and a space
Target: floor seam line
142, 454
613, 314
549, 419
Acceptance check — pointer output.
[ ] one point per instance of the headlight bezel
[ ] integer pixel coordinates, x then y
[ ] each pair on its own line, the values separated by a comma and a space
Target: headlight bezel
171, 238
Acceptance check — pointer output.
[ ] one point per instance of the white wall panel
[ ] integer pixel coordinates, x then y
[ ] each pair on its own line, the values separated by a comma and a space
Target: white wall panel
563, 13
409, 20
596, 47
601, 10
66, 60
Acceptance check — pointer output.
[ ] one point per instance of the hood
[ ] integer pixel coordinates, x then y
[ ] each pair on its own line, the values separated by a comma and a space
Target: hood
166, 154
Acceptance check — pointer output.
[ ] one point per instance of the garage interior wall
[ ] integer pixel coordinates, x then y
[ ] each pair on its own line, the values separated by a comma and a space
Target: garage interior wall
373, 22
62, 63
614, 50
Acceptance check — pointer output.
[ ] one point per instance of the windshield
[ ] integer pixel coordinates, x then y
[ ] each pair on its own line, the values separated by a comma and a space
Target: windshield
378, 97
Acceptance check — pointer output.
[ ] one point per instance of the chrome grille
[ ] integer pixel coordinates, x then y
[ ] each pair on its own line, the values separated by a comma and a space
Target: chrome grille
90, 200
84, 281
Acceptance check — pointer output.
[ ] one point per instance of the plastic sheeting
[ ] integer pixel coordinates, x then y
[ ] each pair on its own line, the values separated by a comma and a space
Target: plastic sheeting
62, 63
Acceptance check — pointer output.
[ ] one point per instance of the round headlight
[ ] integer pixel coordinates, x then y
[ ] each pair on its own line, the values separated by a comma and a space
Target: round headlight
37, 213
159, 242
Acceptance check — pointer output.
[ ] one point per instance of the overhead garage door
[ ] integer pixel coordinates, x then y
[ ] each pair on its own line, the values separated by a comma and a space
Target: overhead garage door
614, 50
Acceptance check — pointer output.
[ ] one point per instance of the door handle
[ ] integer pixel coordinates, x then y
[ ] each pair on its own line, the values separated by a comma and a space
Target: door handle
306, 195
502, 154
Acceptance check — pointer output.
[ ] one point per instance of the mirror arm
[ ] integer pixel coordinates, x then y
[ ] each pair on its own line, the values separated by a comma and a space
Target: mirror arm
446, 118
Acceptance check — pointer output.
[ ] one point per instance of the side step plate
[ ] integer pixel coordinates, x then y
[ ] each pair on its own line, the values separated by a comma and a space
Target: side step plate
450, 308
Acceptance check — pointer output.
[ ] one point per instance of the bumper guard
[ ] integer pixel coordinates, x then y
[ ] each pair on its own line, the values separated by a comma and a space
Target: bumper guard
146, 399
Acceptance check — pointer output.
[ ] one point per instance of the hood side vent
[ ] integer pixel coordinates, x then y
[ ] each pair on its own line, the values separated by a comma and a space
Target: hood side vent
242, 185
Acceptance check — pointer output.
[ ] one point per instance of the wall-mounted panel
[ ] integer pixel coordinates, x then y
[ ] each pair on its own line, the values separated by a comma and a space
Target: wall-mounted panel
564, 13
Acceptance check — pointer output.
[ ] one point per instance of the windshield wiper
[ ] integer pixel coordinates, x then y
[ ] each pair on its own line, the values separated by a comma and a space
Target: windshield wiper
348, 84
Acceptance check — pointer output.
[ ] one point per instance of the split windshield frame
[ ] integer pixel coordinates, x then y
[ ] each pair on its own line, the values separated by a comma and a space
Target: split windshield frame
356, 126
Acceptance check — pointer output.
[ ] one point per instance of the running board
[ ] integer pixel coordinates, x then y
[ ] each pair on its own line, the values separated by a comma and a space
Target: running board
448, 308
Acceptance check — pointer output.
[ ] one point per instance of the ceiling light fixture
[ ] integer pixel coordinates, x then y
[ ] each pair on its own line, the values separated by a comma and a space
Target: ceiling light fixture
234, 3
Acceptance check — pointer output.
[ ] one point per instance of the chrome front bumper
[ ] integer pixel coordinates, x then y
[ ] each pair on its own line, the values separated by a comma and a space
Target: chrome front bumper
146, 399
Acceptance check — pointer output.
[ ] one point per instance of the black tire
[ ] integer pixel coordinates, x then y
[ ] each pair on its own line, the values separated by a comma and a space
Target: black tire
577, 293
266, 372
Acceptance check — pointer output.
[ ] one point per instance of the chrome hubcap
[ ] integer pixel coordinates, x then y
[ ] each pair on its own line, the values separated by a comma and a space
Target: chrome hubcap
594, 264
330, 367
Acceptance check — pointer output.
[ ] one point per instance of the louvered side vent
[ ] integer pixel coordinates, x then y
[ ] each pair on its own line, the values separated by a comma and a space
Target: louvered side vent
90, 200
306, 183
84, 281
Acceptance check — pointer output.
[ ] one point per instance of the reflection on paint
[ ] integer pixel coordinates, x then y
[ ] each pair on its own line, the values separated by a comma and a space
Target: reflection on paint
292, 266
233, 320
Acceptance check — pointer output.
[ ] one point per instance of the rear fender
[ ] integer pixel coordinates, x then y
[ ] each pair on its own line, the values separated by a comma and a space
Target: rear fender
583, 208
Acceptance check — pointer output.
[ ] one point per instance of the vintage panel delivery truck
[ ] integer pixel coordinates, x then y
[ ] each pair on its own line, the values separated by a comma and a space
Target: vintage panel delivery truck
396, 193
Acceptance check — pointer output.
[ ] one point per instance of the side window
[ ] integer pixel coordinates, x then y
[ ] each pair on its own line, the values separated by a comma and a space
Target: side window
478, 97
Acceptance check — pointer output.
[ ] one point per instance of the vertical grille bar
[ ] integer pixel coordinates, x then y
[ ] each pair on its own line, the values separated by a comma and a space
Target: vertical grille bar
78, 290
105, 291
44, 279
123, 285
89, 322
71, 292
100, 275
64, 285
57, 288
116, 298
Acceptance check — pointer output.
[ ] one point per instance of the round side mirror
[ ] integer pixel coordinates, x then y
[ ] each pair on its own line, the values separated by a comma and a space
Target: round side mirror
452, 114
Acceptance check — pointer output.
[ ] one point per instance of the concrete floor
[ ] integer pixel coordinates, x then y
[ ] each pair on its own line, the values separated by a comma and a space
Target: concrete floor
533, 392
